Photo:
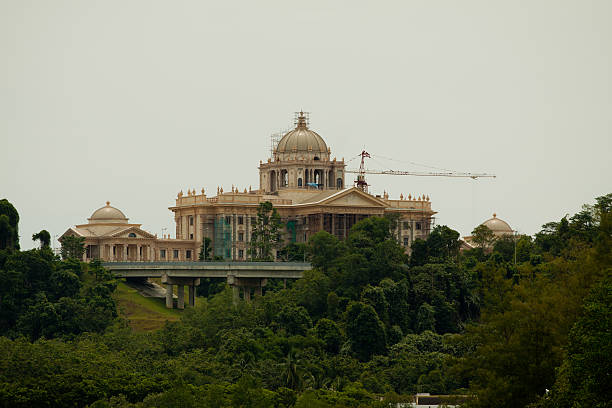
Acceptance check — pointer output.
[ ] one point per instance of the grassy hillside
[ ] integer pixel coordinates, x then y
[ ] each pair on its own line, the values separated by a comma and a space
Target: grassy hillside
143, 313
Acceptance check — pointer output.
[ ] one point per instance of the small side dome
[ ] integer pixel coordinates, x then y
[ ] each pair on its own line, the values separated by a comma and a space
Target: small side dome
108, 214
498, 226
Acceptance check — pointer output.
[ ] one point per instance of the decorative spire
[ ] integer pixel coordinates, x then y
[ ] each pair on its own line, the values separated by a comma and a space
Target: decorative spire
302, 121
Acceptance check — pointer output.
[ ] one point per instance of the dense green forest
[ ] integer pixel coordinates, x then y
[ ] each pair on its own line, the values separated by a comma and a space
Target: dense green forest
524, 324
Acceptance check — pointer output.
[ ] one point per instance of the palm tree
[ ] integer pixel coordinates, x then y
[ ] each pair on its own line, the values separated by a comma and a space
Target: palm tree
292, 376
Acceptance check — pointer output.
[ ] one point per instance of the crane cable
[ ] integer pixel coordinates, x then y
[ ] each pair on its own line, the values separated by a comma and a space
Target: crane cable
417, 164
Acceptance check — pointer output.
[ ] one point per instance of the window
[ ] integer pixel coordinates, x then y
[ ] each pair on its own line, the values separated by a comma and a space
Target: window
191, 220
405, 241
131, 235
253, 220
241, 236
241, 253
140, 251
406, 225
300, 182
339, 183
240, 220
114, 250
418, 225
228, 219
162, 253
190, 236
188, 254
175, 253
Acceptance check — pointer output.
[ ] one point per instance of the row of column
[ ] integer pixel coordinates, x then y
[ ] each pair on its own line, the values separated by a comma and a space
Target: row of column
246, 285
170, 282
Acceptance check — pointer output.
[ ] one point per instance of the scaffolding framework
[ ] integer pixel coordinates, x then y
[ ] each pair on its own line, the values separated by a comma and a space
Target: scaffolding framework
223, 238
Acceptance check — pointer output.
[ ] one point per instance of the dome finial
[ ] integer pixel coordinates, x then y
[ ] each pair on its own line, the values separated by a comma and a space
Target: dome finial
494, 215
302, 123
108, 203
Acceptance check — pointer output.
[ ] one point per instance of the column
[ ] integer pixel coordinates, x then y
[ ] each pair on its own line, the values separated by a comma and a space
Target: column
169, 301
181, 296
333, 224
192, 295
235, 294
247, 293
138, 249
197, 228
125, 253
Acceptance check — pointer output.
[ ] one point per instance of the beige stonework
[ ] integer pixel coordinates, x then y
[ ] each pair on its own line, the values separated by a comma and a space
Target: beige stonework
111, 238
301, 180
307, 187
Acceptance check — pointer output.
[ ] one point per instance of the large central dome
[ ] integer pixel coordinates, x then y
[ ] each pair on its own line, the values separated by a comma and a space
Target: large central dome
303, 141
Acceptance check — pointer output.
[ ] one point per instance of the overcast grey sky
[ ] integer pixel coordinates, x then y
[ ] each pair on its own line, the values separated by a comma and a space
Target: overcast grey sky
132, 101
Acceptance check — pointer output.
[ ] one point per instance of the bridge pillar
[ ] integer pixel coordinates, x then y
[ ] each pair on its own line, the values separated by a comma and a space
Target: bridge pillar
246, 284
181, 297
169, 300
192, 295
181, 282
236, 294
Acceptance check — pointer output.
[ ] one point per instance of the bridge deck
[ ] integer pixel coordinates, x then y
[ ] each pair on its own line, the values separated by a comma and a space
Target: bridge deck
291, 270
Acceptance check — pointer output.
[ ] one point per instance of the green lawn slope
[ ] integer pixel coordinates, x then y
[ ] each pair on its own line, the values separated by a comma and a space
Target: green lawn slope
142, 313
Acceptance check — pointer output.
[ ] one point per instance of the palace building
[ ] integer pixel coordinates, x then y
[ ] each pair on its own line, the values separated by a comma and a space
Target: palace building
303, 182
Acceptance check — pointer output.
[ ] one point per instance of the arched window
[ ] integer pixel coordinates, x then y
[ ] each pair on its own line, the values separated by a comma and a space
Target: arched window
339, 183
131, 235
272, 181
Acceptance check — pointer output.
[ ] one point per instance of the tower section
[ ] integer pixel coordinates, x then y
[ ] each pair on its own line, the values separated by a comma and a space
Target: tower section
301, 160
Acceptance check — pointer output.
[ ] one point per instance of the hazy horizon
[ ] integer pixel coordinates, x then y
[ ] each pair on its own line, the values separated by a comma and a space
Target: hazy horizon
134, 101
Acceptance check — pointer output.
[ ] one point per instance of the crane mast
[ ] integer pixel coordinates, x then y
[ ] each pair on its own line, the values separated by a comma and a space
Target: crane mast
361, 183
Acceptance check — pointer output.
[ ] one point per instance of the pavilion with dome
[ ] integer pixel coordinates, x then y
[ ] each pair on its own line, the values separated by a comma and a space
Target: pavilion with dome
110, 237
499, 227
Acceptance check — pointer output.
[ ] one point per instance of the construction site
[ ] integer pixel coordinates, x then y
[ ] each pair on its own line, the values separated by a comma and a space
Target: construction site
312, 192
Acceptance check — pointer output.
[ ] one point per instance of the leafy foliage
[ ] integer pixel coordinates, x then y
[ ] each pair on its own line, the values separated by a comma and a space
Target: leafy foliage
368, 326
72, 247
266, 234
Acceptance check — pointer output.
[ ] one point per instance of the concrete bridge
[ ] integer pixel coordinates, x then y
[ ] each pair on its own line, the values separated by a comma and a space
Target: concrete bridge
247, 276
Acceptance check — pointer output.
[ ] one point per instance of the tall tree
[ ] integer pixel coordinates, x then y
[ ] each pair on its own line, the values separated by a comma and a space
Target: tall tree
365, 331
44, 237
205, 249
584, 379
266, 235
482, 236
9, 225
72, 247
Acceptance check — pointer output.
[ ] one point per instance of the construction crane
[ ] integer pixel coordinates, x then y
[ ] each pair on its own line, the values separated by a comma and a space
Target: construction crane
363, 185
